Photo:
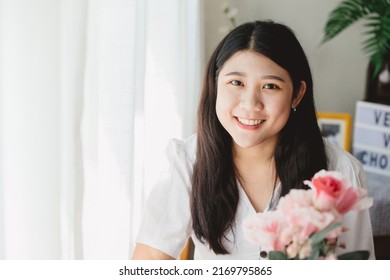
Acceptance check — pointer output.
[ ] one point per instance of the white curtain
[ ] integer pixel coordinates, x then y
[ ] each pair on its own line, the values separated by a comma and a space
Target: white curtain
90, 93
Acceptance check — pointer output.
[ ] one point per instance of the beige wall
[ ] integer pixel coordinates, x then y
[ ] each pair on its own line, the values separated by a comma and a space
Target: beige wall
338, 67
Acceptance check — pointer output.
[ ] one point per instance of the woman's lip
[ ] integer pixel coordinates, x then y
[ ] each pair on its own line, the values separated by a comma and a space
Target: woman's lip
247, 126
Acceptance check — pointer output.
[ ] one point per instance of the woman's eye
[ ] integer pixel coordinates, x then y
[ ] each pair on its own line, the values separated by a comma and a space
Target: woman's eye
236, 83
270, 86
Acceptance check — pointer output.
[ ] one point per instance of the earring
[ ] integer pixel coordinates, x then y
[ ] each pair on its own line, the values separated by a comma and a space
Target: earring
294, 109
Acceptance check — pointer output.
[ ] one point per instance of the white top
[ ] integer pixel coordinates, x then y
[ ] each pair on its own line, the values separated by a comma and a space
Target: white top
167, 223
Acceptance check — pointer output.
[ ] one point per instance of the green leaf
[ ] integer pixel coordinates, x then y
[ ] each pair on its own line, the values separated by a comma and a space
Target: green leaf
345, 14
277, 255
315, 251
377, 61
319, 236
356, 255
377, 14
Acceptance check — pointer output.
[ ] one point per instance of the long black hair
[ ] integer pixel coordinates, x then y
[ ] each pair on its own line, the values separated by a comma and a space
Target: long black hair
299, 152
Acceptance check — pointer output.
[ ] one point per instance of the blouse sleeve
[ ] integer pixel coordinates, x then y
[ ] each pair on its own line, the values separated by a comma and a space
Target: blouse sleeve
166, 222
359, 234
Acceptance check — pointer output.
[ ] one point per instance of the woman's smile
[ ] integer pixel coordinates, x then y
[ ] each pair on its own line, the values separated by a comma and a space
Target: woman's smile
250, 124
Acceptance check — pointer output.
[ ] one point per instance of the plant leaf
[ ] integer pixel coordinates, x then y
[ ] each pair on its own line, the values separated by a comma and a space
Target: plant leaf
319, 236
377, 61
315, 251
277, 255
377, 14
345, 14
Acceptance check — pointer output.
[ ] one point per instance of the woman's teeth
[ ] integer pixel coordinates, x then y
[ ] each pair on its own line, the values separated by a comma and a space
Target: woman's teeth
249, 122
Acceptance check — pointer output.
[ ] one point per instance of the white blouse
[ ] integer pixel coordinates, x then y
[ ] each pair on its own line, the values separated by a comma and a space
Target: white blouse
167, 224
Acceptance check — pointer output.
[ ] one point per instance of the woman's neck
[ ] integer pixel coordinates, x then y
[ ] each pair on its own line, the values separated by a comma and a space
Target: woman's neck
254, 156
256, 173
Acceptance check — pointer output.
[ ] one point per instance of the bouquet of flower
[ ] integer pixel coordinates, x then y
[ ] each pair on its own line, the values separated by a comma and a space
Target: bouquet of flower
307, 223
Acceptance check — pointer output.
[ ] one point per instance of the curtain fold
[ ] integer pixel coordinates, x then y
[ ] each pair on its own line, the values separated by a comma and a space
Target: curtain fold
90, 94
72, 51
42, 61
146, 62
106, 133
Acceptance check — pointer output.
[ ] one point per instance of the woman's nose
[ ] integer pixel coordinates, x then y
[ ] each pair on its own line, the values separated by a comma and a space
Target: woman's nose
251, 100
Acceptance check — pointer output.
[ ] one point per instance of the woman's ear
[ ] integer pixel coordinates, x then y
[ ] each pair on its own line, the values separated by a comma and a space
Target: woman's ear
301, 92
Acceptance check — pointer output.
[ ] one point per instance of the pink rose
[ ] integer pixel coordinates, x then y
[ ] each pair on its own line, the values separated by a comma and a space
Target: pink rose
263, 229
295, 199
353, 199
333, 190
327, 187
303, 222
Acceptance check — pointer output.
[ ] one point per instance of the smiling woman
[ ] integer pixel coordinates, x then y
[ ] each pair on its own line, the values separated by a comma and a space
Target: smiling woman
257, 138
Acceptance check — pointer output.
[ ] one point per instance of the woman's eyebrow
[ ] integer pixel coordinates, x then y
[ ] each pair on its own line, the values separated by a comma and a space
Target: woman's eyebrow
243, 74
273, 77
236, 73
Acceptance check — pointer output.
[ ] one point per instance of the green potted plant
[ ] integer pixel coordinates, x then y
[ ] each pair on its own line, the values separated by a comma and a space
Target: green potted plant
376, 13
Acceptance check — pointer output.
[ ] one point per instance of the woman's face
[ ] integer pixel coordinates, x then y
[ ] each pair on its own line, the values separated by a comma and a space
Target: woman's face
254, 99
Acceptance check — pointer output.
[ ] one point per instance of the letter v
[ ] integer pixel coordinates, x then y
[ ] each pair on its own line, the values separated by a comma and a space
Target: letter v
386, 137
377, 116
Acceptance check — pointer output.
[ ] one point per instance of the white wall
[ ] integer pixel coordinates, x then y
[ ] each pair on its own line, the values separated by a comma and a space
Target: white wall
338, 67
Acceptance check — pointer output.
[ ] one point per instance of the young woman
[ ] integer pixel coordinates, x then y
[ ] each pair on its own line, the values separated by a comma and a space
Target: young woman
257, 138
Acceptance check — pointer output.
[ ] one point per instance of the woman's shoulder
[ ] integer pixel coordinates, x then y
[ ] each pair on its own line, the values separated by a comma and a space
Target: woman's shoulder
182, 149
